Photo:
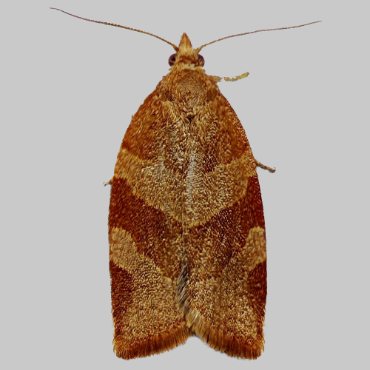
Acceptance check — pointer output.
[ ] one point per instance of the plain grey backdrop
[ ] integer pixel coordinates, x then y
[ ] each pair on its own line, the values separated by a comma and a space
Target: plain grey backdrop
68, 91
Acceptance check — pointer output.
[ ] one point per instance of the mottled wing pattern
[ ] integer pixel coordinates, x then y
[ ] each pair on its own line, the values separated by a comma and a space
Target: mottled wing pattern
224, 287
145, 243
186, 226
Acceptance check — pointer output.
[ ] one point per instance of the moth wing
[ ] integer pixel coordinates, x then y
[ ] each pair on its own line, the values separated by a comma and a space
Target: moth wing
145, 243
187, 233
224, 277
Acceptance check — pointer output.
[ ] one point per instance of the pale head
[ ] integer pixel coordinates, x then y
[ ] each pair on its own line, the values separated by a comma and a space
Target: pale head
186, 55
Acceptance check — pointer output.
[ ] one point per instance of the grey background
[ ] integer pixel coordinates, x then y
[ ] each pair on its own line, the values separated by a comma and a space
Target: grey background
68, 91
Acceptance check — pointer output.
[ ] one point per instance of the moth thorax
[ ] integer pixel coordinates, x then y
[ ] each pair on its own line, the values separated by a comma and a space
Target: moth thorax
191, 90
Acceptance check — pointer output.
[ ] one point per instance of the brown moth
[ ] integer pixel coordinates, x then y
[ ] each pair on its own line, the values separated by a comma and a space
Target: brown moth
186, 226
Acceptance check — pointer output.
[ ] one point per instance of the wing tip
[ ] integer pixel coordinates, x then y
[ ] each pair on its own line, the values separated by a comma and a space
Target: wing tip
143, 348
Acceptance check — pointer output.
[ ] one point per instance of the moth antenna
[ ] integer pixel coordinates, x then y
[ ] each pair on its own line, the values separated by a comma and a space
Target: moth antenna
118, 25
246, 33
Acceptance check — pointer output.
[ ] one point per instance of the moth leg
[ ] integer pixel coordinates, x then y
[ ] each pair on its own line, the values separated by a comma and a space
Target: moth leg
259, 164
110, 182
218, 79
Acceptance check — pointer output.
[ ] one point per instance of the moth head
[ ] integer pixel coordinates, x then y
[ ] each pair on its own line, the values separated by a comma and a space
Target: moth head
186, 55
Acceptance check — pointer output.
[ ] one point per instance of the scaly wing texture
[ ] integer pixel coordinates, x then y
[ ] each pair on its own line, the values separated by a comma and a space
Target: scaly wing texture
224, 278
186, 226
145, 243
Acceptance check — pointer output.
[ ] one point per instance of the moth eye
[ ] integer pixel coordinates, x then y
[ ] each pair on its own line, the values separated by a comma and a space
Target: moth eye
172, 60
201, 60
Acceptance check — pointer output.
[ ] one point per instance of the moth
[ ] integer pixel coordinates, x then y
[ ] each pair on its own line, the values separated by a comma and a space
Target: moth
186, 226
